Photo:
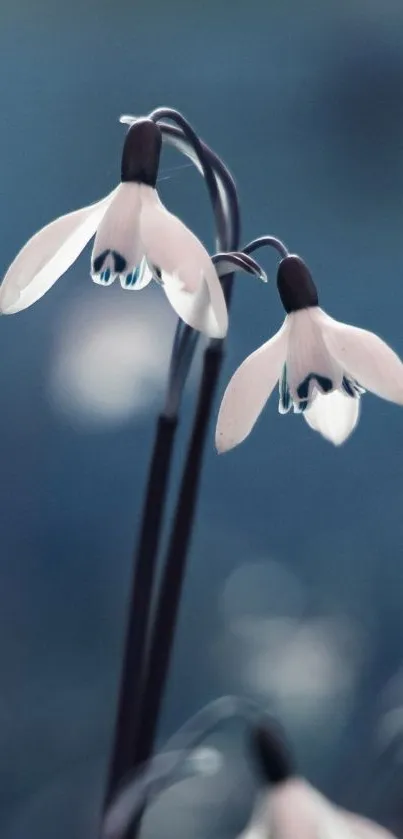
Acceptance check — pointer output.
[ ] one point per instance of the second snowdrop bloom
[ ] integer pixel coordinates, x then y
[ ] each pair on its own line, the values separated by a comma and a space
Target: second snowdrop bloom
322, 367
137, 239
295, 808
290, 807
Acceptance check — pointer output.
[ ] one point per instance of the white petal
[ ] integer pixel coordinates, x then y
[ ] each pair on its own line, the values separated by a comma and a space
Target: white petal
145, 275
137, 279
366, 358
193, 307
190, 280
117, 245
48, 255
298, 809
249, 390
334, 415
308, 357
258, 827
295, 809
365, 828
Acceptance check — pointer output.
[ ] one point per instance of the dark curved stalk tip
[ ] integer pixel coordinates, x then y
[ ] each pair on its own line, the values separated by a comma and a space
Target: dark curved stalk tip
169, 113
266, 242
237, 261
226, 186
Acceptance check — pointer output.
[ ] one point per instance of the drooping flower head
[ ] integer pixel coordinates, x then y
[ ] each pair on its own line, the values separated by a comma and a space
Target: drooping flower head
137, 239
290, 807
139, 166
322, 366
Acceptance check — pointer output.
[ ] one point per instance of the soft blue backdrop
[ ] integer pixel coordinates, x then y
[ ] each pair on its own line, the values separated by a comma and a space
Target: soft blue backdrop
295, 585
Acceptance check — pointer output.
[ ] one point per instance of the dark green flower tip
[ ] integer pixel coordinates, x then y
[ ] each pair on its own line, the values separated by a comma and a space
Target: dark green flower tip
271, 752
295, 285
141, 153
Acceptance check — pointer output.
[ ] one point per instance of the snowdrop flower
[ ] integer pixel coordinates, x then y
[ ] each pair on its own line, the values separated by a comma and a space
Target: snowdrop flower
291, 807
322, 367
136, 240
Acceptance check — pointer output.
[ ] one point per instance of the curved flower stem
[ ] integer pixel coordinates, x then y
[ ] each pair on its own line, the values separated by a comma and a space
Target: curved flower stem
227, 191
224, 199
226, 210
264, 242
200, 150
130, 716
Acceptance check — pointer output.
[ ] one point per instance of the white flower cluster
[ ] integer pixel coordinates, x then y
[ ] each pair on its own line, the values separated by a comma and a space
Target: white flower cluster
323, 367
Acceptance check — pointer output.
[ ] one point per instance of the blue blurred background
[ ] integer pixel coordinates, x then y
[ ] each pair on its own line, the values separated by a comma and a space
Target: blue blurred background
294, 590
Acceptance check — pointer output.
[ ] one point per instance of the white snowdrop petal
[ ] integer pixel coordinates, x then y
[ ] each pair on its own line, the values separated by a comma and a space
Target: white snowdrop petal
294, 808
47, 256
363, 828
249, 390
193, 307
217, 314
189, 277
309, 363
117, 247
258, 825
298, 809
334, 415
145, 275
365, 357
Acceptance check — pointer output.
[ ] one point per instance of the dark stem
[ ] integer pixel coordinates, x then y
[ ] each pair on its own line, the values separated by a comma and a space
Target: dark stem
264, 242
226, 185
199, 148
167, 609
185, 343
139, 604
